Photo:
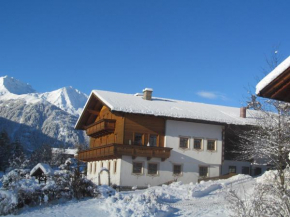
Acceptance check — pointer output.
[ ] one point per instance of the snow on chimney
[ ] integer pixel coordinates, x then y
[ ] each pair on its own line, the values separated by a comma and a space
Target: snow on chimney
243, 112
147, 93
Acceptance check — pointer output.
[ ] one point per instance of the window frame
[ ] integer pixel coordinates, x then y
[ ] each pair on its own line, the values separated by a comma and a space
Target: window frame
157, 169
231, 167
215, 145
258, 171
181, 170
157, 139
199, 171
142, 168
201, 144
249, 171
188, 142
142, 139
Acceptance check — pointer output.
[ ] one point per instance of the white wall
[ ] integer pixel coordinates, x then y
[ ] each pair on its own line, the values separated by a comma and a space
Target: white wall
143, 180
93, 169
190, 159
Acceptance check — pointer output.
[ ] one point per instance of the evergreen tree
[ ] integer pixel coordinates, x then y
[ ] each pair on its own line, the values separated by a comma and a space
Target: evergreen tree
42, 154
17, 159
5, 150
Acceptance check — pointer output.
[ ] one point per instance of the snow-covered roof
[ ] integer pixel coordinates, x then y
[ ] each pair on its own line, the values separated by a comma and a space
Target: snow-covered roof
273, 75
130, 103
46, 169
64, 151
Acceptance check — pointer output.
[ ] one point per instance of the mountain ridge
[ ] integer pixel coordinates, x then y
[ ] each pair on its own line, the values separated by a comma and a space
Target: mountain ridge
36, 117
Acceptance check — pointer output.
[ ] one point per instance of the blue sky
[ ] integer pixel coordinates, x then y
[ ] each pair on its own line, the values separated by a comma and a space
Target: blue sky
204, 51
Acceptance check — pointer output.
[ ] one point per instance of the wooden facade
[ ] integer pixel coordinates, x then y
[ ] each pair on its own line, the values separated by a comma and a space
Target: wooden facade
145, 125
113, 151
113, 135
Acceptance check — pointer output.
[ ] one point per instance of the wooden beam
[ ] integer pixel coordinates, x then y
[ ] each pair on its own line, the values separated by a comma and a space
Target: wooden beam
93, 112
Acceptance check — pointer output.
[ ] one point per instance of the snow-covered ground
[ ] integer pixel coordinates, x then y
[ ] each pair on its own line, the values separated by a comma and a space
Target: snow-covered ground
205, 199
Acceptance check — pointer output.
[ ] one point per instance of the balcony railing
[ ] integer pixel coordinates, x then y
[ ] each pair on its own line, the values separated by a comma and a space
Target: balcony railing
112, 151
101, 128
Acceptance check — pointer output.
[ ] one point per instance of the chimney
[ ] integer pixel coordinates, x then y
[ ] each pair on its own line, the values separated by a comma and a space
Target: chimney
243, 112
147, 93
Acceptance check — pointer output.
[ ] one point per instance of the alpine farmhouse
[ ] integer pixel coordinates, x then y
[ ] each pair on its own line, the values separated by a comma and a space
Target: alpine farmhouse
140, 140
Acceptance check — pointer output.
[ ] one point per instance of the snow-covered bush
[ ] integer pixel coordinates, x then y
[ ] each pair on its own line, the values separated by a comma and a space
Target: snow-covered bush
10, 180
20, 189
8, 202
60, 187
267, 198
81, 186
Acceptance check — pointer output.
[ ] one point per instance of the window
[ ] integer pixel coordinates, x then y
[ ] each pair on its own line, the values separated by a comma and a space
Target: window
115, 166
152, 168
177, 170
211, 145
232, 169
137, 168
102, 165
197, 144
109, 166
89, 168
153, 140
245, 170
203, 171
95, 167
258, 171
183, 143
138, 139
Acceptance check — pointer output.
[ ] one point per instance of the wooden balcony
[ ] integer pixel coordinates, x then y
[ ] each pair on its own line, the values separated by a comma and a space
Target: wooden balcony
101, 128
113, 151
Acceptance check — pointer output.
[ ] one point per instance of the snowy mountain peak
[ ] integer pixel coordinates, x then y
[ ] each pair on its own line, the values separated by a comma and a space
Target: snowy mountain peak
12, 85
68, 99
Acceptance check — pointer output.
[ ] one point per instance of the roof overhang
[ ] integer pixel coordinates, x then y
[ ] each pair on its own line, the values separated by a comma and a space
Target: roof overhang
90, 111
276, 85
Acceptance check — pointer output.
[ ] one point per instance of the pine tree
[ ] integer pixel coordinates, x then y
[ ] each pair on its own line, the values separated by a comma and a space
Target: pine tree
17, 159
4, 150
42, 154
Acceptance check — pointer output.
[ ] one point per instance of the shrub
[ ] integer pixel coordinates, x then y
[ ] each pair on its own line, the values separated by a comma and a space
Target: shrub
8, 202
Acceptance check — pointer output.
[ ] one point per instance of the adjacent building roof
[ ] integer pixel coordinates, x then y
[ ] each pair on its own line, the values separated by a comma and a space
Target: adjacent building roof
68, 151
276, 85
168, 108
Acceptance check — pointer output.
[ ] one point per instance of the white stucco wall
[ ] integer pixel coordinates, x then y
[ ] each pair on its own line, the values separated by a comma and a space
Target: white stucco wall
189, 159
93, 169
143, 179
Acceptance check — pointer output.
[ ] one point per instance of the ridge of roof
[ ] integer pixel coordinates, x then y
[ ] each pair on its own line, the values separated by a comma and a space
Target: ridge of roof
171, 108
